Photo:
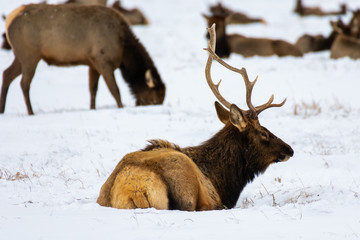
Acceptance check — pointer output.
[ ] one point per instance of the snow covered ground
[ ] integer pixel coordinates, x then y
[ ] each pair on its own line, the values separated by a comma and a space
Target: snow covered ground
53, 164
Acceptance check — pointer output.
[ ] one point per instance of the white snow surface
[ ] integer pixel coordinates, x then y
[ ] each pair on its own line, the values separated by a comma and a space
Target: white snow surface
53, 164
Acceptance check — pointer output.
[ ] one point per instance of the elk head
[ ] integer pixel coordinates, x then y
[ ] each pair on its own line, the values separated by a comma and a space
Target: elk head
154, 91
264, 145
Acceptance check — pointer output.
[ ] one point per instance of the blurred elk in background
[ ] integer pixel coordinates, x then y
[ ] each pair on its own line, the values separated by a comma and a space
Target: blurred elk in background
248, 46
317, 11
134, 16
342, 41
347, 41
232, 17
205, 177
89, 35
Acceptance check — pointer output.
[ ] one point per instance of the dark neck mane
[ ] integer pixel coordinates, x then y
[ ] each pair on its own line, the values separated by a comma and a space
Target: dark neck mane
136, 61
227, 160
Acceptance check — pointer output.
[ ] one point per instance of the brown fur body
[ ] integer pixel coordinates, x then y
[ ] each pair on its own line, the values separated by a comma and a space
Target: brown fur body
67, 35
247, 46
134, 16
317, 11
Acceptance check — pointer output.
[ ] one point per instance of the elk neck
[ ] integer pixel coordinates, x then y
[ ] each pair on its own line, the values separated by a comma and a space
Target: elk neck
136, 60
229, 161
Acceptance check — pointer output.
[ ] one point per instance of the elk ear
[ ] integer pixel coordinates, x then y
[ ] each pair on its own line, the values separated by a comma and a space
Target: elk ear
237, 118
222, 113
205, 16
149, 79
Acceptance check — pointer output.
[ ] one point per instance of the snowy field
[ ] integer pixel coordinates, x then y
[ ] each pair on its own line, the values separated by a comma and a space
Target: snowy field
53, 164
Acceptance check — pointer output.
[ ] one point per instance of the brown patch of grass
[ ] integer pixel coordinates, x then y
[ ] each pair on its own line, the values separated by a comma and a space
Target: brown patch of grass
5, 174
307, 110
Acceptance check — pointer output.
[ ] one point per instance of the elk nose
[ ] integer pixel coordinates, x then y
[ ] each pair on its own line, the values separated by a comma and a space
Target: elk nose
291, 152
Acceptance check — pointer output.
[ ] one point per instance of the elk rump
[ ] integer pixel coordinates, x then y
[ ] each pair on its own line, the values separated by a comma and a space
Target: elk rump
66, 35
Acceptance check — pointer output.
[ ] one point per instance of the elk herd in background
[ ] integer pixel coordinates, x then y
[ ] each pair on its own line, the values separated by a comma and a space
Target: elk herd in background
163, 175
344, 40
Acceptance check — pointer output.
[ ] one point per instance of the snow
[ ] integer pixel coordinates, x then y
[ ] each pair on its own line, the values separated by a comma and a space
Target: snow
53, 164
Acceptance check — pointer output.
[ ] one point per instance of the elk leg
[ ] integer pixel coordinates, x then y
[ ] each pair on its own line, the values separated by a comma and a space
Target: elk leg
28, 72
108, 75
9, 75
93, 86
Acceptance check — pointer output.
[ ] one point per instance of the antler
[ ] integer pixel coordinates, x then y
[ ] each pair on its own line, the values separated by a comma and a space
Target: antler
253, 112
214, 88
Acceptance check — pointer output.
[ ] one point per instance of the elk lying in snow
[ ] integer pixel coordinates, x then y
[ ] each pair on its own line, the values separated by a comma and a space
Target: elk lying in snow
70, 34
310, 43
234, 17
134, 16
347, 41
314, 43
246, 46
206, 177
345, 46
317, 11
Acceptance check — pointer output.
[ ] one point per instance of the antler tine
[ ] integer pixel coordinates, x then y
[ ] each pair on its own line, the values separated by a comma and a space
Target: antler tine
267, 105
214, 87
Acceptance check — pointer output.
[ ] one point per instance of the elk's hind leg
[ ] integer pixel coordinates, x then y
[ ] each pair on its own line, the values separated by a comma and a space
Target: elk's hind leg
9, 75
28, 71
93, 86
136, 187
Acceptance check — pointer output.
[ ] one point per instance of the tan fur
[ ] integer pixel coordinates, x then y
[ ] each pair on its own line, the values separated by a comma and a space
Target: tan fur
139, 182
10, 18
136, 187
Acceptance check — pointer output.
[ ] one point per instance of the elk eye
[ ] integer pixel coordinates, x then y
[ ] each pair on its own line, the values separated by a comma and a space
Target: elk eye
264, 135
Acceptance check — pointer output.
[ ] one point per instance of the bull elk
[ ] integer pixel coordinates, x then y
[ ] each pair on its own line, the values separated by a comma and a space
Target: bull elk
134, 16
247, 46
68, 34
232, 17
205, 177
317, 11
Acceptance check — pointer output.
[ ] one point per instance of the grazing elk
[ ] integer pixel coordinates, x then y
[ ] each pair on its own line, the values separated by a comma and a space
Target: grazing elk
234, 17
134, 16
317, 11
68, 34
246, 46
205, 177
